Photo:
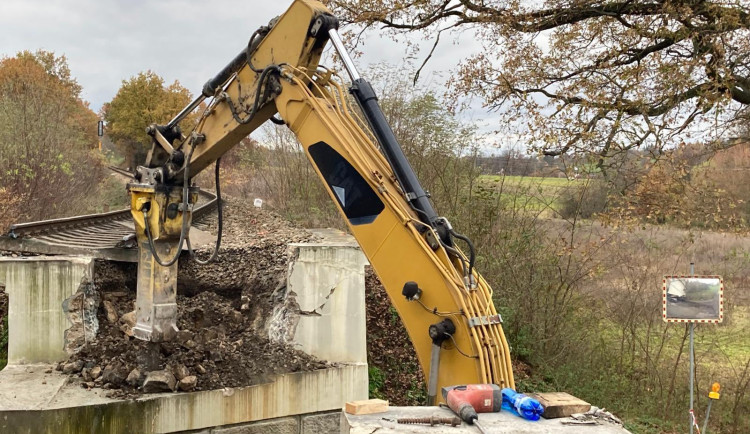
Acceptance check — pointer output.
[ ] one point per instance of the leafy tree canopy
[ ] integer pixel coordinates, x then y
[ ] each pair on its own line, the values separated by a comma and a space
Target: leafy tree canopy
54, 66
599, 77
47, 138
142, 100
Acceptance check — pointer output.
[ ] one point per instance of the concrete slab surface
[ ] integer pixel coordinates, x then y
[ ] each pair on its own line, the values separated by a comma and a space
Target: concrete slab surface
29, 387
35, 401
503, 422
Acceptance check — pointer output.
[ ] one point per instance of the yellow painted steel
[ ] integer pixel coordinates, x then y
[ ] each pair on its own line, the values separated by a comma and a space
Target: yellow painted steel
162, 227
315, 108
156, 300
287, 42
394, 245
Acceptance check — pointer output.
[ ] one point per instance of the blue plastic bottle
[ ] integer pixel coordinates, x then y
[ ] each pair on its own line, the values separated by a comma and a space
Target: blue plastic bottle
524, 406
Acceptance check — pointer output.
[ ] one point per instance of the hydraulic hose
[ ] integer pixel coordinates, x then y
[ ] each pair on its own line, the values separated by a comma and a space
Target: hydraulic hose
221, 223
184, 228
472, 254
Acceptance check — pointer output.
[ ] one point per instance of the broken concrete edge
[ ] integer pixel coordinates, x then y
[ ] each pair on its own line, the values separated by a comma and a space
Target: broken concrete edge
331, 237
81, 311
72, 409
321, 311
73, 322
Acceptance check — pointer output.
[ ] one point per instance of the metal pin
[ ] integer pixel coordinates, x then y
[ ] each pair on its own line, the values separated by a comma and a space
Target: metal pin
343, 54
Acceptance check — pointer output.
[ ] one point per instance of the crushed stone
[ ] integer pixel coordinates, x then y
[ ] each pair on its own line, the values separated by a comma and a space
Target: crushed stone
224, 310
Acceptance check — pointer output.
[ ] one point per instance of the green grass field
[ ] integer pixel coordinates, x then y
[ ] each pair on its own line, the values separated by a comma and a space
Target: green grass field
531, 180
532, 193
732, 338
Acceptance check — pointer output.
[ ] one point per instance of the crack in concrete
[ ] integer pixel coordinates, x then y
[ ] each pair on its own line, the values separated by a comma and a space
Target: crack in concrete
309, 313
315, 312
286, 315
58, 391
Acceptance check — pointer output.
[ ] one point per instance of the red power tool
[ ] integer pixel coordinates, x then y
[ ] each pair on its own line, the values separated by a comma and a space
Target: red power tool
468, 400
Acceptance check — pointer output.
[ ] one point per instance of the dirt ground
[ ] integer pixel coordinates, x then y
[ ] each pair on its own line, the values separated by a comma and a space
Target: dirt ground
395, 373
3, 304
223, 309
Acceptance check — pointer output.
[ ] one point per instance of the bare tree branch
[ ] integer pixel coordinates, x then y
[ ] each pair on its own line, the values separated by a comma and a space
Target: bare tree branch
598, 76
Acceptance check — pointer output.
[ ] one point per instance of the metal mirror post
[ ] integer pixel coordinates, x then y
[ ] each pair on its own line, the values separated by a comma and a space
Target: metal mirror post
693, 299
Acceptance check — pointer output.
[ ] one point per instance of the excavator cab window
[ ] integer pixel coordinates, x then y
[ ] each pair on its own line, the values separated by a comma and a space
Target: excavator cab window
354, 195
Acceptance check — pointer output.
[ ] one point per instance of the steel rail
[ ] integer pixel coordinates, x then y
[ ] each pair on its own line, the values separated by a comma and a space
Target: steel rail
95, 221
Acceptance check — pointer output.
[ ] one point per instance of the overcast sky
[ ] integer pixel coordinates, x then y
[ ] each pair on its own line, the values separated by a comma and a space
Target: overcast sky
107, 41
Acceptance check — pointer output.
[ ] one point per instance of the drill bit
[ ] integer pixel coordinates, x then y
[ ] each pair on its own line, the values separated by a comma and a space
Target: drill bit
432, 421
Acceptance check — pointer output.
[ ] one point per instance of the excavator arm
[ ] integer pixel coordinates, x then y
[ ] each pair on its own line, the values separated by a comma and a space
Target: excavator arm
444, 303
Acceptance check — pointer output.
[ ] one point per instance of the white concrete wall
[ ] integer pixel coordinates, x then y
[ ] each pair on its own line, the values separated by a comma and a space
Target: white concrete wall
328, 281
37, 287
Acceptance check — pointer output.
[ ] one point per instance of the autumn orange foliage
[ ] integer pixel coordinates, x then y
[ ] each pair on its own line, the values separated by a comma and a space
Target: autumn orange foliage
48, 144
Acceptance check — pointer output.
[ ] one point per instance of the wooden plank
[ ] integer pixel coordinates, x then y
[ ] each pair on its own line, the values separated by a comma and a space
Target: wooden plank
368, 406
560, 404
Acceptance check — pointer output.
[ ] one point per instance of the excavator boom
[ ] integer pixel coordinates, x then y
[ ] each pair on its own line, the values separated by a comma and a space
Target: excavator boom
444, 303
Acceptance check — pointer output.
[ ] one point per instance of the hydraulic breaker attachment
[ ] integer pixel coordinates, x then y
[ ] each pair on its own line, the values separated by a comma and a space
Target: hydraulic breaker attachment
158, 212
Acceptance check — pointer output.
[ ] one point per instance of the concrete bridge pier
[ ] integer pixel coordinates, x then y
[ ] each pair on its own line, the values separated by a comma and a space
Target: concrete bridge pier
40, 291
52, 310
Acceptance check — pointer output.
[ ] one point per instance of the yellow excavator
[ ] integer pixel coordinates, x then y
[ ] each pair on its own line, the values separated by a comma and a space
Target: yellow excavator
444, 303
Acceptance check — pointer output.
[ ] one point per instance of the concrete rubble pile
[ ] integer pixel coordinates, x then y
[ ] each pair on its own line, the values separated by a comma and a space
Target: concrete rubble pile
224, 313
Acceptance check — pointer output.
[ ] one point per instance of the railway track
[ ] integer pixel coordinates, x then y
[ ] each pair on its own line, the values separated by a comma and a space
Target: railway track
98, 235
